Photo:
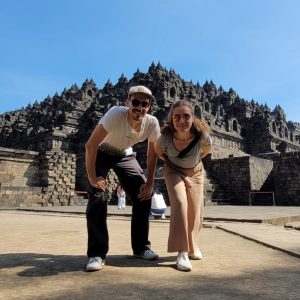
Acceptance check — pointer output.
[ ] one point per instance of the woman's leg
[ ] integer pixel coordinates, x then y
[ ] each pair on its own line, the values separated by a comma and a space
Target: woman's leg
195, 199
178, 233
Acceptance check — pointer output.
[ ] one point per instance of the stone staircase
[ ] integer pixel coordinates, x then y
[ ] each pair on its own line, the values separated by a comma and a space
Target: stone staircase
214, 194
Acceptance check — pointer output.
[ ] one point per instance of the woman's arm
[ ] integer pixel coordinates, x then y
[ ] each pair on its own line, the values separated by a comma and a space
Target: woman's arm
205, 150
205, 145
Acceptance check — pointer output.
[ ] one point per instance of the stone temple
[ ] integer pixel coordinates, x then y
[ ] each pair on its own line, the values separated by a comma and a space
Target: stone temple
255, 157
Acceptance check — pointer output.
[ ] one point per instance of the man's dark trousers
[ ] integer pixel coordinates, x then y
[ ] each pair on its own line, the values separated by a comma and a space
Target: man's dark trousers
131, 177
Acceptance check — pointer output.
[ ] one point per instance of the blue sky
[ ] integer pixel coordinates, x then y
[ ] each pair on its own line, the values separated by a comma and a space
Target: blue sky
252, 46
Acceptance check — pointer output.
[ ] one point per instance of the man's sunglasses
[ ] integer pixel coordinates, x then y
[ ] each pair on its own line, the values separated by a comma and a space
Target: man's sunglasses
137, 102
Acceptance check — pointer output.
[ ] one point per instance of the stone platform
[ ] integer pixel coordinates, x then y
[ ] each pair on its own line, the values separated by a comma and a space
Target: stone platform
42, 256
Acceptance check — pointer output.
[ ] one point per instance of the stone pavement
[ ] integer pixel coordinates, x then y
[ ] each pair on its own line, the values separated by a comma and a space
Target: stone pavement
250, 222
42, 256
276, 215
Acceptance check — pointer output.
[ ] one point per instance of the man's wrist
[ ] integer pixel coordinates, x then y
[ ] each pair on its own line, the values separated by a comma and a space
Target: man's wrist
150, 182
92, 180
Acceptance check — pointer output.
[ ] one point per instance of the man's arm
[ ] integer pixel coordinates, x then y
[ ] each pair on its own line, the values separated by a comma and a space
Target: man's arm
160, 152
147, 188
91, 147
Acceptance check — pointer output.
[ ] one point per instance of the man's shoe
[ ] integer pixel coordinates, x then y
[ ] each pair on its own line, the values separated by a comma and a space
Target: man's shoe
95, 263
147, 254
163, 216
196, 256
183, 262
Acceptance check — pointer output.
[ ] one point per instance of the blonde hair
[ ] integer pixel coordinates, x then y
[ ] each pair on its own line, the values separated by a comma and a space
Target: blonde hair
198, 128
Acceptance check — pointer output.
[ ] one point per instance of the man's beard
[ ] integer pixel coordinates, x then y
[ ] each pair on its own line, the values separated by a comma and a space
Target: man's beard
137, 115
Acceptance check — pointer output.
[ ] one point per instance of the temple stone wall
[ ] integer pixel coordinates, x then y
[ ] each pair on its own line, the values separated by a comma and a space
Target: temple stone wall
61, 125
18, 168
287, 179
57, 171
233, 176
48, 179
225, 145
36, 179
237, 176
19, 178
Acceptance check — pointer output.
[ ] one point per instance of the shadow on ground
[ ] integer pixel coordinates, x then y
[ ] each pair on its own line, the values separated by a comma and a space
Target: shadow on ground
40, 265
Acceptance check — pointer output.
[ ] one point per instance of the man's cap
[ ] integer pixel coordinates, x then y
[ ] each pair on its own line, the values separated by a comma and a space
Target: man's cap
140, 89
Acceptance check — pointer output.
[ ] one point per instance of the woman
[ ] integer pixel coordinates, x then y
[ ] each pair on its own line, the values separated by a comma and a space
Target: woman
121, 197
184, 141
158, 205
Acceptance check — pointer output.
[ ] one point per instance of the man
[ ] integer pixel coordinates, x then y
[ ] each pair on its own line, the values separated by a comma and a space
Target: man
109, 147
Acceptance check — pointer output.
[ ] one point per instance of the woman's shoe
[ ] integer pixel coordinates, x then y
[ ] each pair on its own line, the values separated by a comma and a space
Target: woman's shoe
196, 256
183, 262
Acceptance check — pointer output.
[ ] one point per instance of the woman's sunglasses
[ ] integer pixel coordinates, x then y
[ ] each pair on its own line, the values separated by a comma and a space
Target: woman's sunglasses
137, 102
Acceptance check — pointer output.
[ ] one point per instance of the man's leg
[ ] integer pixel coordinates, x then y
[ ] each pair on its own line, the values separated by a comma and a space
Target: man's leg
132, 177
96, 212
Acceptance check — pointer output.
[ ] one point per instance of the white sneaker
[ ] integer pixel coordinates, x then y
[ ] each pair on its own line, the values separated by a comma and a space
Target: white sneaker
183, 262
148, 254
95, 263
163, 216
196, 256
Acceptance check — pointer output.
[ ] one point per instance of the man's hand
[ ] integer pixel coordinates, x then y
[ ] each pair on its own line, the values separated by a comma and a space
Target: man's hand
146, 190
99, 183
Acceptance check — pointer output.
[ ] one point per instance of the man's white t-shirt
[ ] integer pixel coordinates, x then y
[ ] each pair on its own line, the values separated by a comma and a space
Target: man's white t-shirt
119, 133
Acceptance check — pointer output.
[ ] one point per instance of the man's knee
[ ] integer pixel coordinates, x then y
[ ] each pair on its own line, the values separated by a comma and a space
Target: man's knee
97, 196
96, 205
